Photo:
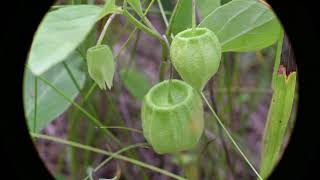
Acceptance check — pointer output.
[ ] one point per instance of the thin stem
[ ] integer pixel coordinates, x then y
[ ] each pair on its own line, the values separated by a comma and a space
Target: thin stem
72, 77
141, 26
230, 137
170, 100
104, 30
132, 32
90, 91
173, 16
116, 153
91, 117
129, 8
100, 151
123, 128
35, 103
163, 13
194, 15
224, 145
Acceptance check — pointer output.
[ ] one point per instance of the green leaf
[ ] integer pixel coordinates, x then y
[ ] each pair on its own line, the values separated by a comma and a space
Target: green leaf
50, 104
207, 6
59, 34
182, 17
136, 5
109, 7
278, 117
243, 25
135, 82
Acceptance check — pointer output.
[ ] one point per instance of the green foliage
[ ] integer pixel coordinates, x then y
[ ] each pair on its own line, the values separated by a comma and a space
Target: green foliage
101, 65
50, 104
59, 34
283, 87
278, 117
243, 25
136, 5
207, 6
172, 113
135, 82
182, 16
109, 7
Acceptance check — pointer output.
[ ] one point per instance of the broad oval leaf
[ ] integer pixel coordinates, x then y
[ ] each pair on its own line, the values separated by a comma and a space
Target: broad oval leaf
50, 104
60, 32
243, 25
135, 82
207, 6
182, 17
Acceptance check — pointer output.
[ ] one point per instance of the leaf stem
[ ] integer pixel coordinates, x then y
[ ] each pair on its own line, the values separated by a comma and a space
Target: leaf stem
194, 15
91, 117
100, 151
104, 30
172, 18
230, 137
117, 153
163, 13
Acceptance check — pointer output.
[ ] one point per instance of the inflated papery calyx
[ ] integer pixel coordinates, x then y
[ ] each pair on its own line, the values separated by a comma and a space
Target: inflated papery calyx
195, 54
101, 65
175, 123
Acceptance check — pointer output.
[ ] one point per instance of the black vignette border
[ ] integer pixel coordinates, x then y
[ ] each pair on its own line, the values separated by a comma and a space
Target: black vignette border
301, 157
19, 157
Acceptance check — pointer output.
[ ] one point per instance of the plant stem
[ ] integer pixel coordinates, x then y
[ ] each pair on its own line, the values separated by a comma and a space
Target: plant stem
224, 145
35, 103
104, 30
129, 8
163, 13
230, 137
100, 151
91, 117
123, 128
194, 15
117, 153
173, 16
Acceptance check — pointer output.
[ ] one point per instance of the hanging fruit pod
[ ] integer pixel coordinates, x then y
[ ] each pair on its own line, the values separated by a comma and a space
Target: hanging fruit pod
172, 116
101, 65
195, 54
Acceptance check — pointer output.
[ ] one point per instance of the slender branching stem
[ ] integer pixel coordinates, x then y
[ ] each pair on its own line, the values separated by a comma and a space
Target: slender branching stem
105, 27
230, 137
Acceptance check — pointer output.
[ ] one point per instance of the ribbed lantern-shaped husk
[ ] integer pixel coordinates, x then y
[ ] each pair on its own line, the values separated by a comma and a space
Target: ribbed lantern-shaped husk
196, 55
101, 65
176, 125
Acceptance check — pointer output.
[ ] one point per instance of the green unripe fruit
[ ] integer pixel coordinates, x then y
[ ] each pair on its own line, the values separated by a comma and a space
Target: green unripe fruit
101, 65
175, 123
196, 55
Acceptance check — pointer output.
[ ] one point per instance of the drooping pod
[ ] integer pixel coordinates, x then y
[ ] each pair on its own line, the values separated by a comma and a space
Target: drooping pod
196, 55
101, 65
175, 123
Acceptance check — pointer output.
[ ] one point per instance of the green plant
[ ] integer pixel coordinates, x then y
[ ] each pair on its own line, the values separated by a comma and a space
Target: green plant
101, 65
172, 116
72, 54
